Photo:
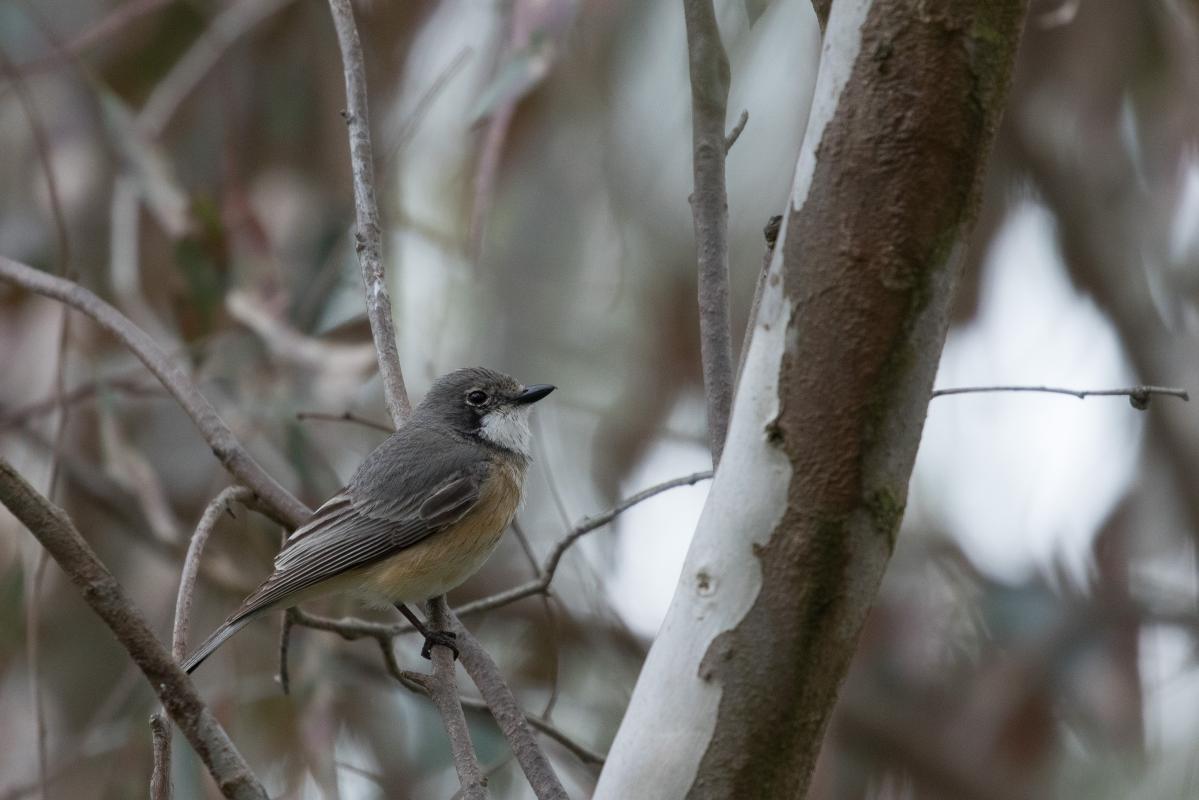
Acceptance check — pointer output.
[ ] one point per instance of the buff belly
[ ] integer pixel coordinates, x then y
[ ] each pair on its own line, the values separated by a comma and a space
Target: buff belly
446, 559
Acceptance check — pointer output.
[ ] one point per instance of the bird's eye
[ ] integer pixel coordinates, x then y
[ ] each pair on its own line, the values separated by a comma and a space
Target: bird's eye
476, 397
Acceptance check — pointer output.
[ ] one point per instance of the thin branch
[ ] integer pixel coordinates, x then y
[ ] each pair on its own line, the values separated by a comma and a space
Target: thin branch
345, 416
443, 690
289, 622
587, 525
54, 530
709, 70
33, 664
735, 133
523, 539
507, 713
1138, 396
277, 501
219, 506
351, 629
41, 143
550, 616
33, 615
369, 234
585, 754
160, 778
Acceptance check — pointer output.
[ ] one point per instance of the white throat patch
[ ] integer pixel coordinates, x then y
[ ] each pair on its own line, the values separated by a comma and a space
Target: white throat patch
509, 428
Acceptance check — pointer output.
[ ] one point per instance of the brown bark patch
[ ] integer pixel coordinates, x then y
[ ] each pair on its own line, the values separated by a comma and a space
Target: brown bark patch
867, 268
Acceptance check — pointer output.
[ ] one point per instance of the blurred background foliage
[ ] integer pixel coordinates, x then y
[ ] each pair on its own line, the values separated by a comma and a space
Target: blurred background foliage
1036, 633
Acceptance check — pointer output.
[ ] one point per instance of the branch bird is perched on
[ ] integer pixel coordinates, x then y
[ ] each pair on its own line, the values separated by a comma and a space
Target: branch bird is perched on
420, 515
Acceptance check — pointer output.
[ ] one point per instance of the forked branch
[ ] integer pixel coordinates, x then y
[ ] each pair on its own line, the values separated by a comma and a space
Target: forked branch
57, 534
277, 502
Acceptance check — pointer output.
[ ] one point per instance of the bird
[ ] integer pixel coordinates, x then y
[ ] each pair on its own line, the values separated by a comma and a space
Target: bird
419, 516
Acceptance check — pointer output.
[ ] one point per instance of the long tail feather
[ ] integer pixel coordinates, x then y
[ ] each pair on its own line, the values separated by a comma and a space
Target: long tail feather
214, 641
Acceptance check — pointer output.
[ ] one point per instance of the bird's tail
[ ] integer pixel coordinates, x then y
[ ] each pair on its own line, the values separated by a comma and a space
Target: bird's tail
231, 626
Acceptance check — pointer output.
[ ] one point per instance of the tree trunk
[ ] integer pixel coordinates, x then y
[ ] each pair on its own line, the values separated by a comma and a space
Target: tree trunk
802, 517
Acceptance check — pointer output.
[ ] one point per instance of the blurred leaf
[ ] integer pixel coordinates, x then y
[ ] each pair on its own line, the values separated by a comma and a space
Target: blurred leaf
149, 166
519, 75
203, 259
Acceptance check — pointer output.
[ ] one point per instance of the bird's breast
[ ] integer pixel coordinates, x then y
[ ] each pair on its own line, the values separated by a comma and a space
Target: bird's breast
447, 558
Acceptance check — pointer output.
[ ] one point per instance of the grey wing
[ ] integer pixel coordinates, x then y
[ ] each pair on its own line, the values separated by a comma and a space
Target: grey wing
345, 534
413, 485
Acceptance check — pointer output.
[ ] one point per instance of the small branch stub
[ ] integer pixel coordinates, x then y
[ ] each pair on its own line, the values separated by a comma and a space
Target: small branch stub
735, 133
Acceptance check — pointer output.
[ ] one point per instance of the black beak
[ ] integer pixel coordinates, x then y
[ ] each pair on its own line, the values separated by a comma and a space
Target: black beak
532, 394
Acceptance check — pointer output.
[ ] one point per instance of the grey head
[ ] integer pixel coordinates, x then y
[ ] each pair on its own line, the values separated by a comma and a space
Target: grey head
484, 404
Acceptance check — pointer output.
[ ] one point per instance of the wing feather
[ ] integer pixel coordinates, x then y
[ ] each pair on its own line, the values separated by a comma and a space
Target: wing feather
417, 482
356, 535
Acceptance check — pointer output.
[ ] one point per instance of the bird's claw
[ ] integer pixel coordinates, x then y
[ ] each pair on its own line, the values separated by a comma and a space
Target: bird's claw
443, 638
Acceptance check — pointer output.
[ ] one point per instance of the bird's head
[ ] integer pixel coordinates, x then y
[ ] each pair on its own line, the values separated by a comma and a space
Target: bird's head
484, 403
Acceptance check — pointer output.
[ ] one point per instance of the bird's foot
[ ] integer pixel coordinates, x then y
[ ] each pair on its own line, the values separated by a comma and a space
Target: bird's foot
442, 638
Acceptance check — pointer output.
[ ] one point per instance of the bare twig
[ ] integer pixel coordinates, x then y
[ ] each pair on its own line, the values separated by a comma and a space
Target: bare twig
34, 607
523, 539
547, 605
587, 525
351, 629
345, 416
735, 133
507, 713
191, 564
276, 500
289, 622
41, 143
1138, 396
369, 235
51, 526
709, 70
33, 664
585, 754
160, 778
443, 690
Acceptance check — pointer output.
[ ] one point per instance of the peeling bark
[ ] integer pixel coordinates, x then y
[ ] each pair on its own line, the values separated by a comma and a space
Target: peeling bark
802, 518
